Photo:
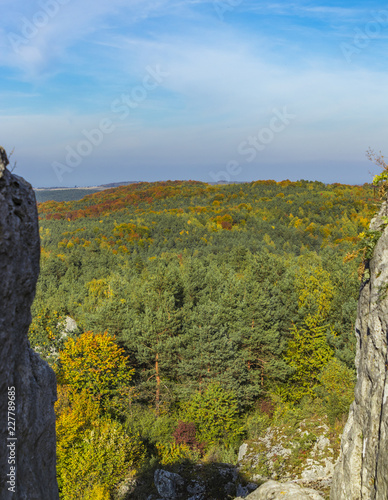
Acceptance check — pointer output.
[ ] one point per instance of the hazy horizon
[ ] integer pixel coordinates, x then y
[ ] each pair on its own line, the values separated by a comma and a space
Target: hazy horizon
123, 183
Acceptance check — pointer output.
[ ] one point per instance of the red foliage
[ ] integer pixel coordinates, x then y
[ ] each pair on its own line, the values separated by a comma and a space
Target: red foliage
226, 224
266, 406
185, 434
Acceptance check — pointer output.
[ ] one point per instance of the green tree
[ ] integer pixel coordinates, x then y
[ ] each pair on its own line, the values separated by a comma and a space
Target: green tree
337, 388
154, 323
215, 414
308, 352
47, 335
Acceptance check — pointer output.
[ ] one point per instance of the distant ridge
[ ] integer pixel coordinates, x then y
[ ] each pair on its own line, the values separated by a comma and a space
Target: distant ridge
73, 193
117, 184
99, 187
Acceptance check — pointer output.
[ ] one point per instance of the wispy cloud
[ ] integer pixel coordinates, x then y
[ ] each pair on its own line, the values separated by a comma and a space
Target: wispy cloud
290, 9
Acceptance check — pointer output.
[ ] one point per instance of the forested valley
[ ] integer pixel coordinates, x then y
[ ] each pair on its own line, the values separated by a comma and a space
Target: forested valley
202, 315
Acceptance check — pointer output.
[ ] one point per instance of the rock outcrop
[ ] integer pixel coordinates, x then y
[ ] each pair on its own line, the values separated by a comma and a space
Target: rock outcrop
362, 470
197, 482
169, 484
272, 490
27, 384
305, 455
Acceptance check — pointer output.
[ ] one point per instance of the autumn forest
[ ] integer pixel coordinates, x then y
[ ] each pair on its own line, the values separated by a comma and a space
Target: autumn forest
182, 318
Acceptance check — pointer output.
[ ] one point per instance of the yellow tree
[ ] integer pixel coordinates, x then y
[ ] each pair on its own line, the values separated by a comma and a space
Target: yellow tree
94, 453
95, 363
315, 293
308, 351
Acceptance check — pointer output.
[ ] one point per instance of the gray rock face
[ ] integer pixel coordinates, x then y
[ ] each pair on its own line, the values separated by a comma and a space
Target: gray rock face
272, 490
169, 485
27, 384
361, 472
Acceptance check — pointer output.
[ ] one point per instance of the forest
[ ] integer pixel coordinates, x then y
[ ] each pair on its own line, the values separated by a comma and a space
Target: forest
203, 314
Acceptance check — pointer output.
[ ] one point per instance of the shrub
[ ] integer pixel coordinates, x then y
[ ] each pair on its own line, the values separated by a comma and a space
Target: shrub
172, 453
256, 424
46, 334
337, 389
266, 406
215, 414
149, 426
185, 433
222, 454
308, 352
92, 451
98, 492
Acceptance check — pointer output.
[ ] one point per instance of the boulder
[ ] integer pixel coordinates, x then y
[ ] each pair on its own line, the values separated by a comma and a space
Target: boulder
27, 384
273, 490
197, 490
200, 482
169, 484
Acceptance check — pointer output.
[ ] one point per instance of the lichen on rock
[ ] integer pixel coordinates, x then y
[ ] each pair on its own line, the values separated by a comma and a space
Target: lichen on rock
305, 455
3, 161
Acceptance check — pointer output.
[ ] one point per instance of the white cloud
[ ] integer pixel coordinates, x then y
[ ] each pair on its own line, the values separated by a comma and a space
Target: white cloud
301, 9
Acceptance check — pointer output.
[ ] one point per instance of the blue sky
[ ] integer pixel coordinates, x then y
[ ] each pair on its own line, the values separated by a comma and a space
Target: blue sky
104, 91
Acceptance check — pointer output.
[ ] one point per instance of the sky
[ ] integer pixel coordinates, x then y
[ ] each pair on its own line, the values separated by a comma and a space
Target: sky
93, 92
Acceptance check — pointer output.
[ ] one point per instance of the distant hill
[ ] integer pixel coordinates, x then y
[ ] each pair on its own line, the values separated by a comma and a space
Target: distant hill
73, 194
103, 201
117, 184
70, 194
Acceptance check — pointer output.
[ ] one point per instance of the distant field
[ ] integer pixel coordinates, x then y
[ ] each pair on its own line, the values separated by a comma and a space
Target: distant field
63, 194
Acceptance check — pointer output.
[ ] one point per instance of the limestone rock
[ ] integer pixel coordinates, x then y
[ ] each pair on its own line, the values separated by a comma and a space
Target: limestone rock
70, 326
24, 376
273, 455
242, 451
361, 472
3, 161
199, 482
169, 485
197, 490
272, 490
